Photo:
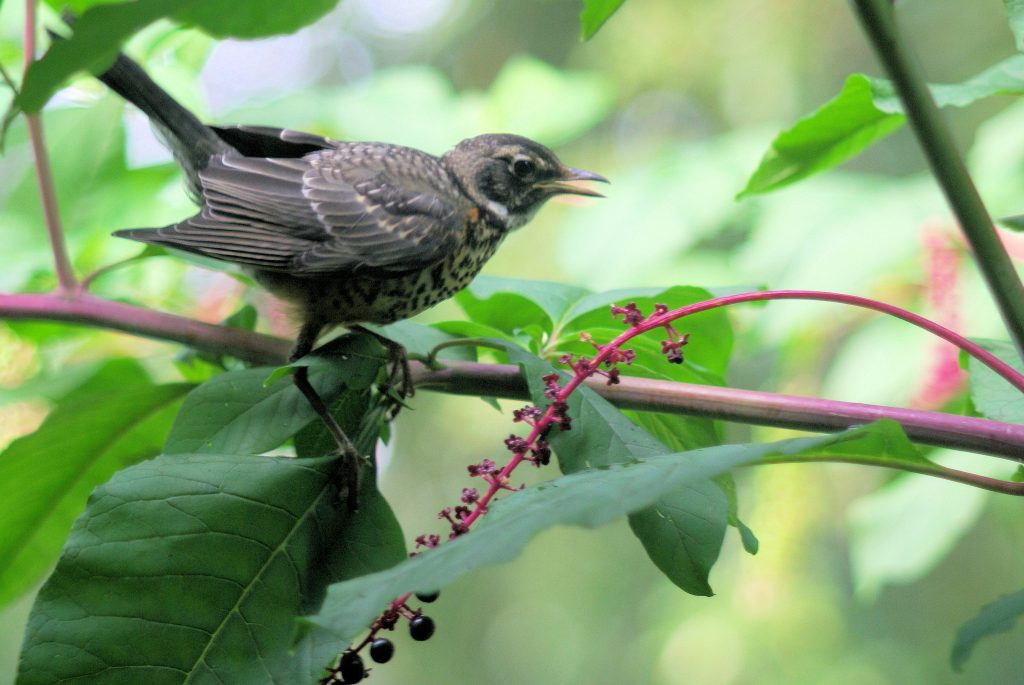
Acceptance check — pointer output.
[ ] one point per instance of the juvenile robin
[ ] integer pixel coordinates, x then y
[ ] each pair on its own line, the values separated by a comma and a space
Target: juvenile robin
349, 233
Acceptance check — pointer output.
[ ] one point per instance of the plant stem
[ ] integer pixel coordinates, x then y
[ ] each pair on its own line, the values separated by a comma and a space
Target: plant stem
94, 311
729, 404
44, 175
877, 18
743, 406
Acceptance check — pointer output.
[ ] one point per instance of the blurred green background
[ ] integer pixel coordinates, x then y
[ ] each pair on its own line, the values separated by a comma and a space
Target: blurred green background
675, 101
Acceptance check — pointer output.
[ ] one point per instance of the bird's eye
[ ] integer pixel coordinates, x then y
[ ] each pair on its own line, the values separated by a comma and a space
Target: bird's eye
523, 167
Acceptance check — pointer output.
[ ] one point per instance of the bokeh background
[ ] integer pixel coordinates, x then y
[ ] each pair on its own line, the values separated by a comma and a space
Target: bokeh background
863, 576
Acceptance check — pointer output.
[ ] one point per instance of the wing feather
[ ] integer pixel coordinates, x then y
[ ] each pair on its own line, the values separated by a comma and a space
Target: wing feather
353, 207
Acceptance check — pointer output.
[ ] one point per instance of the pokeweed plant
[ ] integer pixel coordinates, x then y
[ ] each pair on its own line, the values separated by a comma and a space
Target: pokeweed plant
223, 560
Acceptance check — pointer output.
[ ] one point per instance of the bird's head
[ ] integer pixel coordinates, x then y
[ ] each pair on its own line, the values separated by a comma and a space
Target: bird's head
510, 177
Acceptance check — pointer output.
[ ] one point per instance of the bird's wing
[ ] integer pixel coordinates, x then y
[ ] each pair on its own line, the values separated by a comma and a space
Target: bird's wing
385, 208
358, 206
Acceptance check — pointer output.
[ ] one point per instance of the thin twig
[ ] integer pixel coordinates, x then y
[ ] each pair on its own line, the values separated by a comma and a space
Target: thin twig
878, 20
44, 175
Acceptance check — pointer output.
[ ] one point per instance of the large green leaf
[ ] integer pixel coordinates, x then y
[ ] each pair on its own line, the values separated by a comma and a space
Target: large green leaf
991, 394
595, 13
683, 531
191, 569
998, 617
865, 111
239, 412
116, 417
840, 129
587, 498
711, 337
103, 27
554, 315
510, 304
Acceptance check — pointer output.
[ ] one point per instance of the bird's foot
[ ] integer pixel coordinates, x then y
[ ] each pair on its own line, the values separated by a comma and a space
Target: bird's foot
398, 385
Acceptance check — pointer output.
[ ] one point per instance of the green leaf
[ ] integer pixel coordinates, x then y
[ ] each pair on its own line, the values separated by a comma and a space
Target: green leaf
253, 18
683, 531
998, 617
711, 336
355, 355
99, 33
511, 304
1014, 223
884, 445
588, 498
838, 130
419, 340
199, 562
114, 418
102, 29
595, 13
244, 318
991, 394
1015, 13
865, 111
237, 412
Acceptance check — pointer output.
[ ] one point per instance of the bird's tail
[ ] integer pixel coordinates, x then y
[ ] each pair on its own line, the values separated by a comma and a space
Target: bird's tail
191, 141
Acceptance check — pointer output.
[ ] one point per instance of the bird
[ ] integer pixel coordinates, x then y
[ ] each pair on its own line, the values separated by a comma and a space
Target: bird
348, 233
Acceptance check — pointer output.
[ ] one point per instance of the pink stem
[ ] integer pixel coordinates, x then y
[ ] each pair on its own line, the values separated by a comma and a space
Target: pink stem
44, 175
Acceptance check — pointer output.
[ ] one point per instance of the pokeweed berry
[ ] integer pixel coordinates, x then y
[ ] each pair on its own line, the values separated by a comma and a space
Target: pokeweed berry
428, 597
351, 668
381, 650
421, 628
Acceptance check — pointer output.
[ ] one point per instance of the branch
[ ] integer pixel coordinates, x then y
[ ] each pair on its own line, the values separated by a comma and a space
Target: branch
744, 406
44, 176
947, 165
502, 380
90, 310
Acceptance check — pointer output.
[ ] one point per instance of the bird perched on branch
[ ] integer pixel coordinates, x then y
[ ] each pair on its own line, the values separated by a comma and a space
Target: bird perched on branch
349, 233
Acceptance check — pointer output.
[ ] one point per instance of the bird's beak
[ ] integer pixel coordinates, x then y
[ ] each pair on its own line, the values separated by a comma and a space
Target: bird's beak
567, 183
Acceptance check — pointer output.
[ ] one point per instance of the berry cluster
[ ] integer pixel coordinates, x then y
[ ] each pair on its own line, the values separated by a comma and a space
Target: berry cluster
349, 667
533, 448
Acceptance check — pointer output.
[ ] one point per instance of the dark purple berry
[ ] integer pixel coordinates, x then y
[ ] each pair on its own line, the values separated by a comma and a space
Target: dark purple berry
381, 650
351, 668
428, 597
421, 628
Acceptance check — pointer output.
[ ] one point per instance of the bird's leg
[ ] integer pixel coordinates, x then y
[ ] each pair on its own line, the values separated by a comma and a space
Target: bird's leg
399, 372
300, 376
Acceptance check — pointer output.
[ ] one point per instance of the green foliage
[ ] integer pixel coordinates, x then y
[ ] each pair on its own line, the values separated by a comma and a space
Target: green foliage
998, 617
595, 13
683, 530
102, 29
255, 410
838, 130
590, 498
139, 570
202, 559
114, 418
865, 111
